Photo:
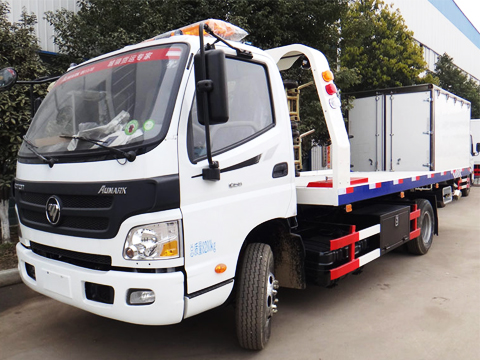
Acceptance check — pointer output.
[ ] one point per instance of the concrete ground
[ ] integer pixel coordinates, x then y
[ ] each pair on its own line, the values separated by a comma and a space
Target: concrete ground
401, 307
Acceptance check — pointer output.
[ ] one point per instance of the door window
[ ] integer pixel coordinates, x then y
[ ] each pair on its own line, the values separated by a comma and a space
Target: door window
250, 111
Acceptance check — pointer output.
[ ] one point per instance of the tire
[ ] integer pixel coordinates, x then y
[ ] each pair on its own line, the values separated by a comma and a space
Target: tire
466, 192
426, 223
256, 297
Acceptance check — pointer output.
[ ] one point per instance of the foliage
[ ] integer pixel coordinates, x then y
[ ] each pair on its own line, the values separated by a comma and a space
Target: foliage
102, 26
454, 80
18, 49
377, 43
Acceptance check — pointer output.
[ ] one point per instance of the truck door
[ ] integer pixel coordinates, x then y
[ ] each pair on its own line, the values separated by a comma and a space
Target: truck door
256, 183
366, 125
408, 131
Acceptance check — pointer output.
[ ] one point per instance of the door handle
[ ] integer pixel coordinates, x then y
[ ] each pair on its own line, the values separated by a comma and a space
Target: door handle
280, 170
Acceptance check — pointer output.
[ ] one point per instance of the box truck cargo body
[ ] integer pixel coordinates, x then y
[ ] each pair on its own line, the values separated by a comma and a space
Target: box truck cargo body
411, 128
475, 141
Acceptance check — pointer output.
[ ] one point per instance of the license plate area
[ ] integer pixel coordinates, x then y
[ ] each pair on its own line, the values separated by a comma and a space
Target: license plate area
57, 283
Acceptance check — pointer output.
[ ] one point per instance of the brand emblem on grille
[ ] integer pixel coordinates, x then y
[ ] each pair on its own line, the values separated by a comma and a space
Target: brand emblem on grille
113, 190
52, 210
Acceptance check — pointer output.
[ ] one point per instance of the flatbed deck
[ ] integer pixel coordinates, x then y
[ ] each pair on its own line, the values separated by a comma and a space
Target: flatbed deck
317, 187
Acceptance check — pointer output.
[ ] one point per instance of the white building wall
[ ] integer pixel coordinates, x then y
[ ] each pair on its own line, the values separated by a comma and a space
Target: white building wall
433, 30
39, 7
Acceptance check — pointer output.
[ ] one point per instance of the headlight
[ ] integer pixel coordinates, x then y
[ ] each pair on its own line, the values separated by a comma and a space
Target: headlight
153, 242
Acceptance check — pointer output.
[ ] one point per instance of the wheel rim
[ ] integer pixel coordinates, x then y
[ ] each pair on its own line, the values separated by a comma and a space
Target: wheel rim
426, 228
271, 301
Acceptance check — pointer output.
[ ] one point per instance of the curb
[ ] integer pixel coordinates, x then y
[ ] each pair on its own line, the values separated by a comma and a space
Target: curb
9, 277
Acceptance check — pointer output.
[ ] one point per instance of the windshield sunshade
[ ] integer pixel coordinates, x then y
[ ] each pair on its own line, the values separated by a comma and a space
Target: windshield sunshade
125, 100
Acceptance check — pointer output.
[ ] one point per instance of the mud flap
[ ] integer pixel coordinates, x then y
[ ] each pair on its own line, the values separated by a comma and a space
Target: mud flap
290, 261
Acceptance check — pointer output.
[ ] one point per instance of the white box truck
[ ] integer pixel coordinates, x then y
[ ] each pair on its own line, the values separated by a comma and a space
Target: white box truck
409, 129
475, 150
158, 182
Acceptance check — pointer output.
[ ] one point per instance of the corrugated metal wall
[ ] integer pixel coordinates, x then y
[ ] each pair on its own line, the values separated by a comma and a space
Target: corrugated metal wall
39, 7
439, 35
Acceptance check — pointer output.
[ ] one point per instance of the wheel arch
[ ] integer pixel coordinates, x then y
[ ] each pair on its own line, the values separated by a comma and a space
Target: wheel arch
432, 199
288, 251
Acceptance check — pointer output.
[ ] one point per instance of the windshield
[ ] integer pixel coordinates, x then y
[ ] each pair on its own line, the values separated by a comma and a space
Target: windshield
124, 100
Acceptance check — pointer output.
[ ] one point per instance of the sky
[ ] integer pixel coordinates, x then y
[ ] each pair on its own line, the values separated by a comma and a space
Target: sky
471, 9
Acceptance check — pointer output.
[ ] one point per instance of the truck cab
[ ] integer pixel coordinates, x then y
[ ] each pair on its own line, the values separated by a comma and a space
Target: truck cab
109, 181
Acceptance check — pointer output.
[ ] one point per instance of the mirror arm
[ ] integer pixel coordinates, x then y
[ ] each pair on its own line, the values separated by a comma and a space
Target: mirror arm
204, 86
240, 53
36, 82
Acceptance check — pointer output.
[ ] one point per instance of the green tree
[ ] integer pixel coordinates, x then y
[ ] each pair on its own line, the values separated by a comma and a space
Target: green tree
18, 49
377, 43
454, 80
101, 26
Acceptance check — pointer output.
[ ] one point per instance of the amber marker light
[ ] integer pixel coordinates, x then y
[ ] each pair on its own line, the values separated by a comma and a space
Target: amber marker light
220, 268
327, 75
402, 194
348, 208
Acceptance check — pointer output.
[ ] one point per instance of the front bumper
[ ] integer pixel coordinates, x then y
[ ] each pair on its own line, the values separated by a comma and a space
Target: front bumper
67, 283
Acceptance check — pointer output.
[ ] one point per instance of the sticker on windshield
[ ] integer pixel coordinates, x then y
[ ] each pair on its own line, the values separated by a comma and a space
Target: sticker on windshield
142, 56
131, 127
148, 125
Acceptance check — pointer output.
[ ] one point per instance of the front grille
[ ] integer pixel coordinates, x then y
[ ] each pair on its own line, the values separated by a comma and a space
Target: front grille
71, 201
71, 222
35, 198
85, 211
90, 261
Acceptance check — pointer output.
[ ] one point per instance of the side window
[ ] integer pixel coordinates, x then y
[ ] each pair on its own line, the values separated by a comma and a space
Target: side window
250, 110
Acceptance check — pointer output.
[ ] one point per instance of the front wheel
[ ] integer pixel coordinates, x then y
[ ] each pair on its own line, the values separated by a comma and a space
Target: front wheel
256, 297
426, 222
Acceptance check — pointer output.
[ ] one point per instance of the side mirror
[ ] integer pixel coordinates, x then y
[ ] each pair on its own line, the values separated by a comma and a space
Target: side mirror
214, 87
8, 78
478, 147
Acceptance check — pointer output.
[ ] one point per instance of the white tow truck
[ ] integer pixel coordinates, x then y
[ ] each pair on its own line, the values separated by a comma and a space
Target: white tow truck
159, 181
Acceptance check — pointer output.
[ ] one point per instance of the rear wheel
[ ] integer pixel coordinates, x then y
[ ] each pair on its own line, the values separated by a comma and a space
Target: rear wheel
426, 223
466, 192
256, 297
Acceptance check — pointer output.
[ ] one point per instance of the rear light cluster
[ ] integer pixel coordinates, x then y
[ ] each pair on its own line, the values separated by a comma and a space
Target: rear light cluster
330, 88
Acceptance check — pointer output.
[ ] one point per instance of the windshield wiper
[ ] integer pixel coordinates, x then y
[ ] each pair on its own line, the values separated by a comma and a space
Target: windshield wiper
50, 161
129, 155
